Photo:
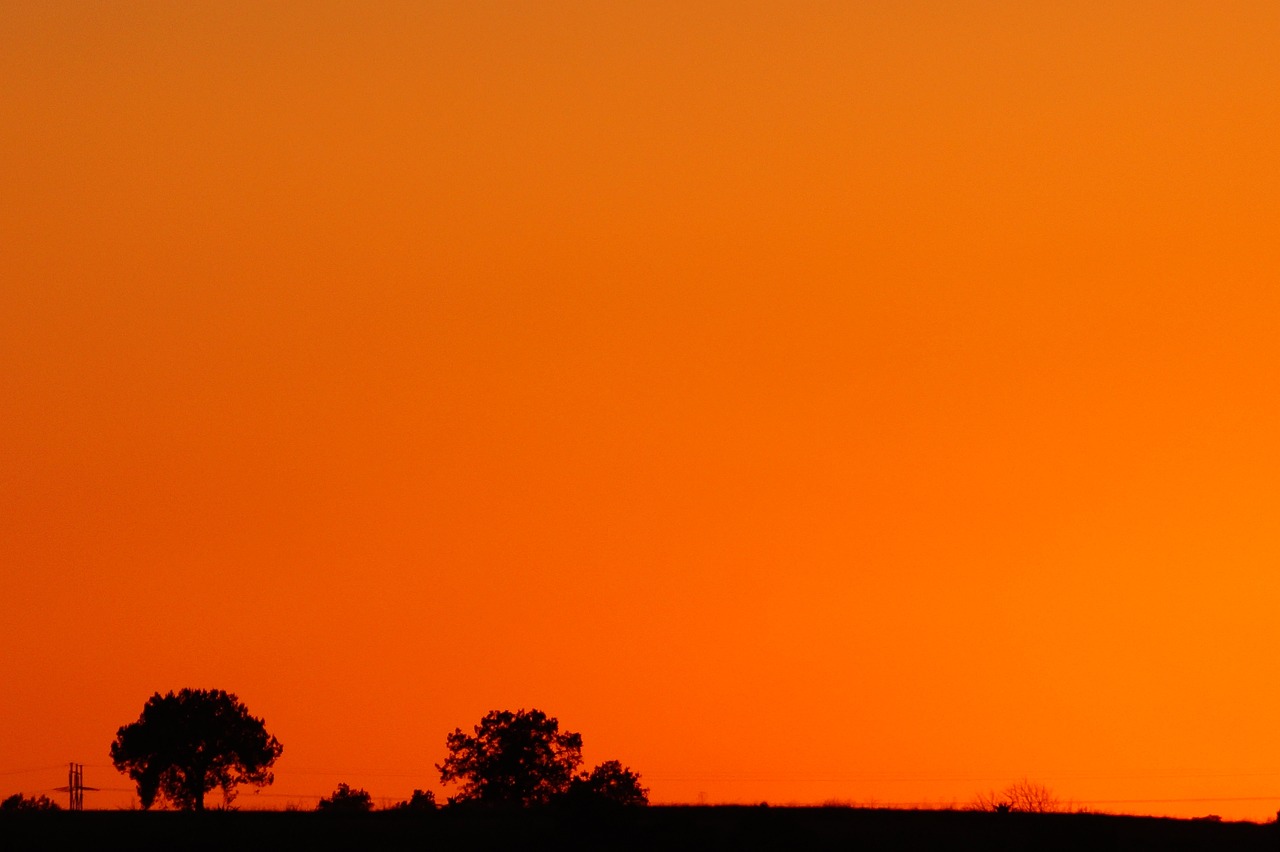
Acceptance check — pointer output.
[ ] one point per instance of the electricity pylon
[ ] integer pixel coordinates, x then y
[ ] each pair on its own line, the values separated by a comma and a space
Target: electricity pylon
75, 786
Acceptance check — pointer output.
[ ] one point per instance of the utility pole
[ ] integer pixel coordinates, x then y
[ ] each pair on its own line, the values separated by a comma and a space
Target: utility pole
75, 786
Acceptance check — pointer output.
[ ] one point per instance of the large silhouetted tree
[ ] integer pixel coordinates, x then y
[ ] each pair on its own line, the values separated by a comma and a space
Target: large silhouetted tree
186, 744
519, 758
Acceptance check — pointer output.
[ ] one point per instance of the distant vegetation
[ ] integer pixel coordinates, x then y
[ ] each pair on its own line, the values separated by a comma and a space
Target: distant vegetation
346, 801
1023, 796
186, 744
421, 801
523, 758
518, 782
19, 802
609, 782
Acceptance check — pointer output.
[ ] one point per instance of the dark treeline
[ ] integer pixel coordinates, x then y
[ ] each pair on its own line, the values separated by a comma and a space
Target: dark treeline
650, 828
518, 783
186, 744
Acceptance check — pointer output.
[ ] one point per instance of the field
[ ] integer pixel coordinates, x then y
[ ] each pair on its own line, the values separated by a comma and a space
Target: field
664, 828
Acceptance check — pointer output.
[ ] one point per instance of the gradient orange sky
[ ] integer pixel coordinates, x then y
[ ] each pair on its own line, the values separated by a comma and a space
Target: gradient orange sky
861, 401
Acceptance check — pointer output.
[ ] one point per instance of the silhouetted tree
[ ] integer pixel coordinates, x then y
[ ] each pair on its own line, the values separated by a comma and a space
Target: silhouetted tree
421, 801
346, 801
609, 783
1023, 796
19, 802
518, 758
1027, 796
186, 744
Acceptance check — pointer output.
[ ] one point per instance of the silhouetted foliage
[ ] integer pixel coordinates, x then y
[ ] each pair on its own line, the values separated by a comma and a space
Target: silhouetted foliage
518, 758
186, 744
1020, 797
346, 801
609, 783
19, 802
422, 801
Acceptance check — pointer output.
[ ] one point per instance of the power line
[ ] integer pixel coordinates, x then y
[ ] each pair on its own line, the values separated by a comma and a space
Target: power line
1052, 775
31, 771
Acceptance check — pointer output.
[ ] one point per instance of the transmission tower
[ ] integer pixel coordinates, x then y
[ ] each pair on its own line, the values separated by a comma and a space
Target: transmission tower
75, 786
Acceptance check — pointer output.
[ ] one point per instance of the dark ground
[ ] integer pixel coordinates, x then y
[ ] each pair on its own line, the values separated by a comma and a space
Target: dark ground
657, 828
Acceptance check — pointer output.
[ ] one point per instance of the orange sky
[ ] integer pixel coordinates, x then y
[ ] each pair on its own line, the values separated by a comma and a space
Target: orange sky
853, 401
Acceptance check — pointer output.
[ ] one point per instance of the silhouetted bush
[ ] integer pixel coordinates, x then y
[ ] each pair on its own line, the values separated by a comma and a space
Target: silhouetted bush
346, 801
19, 802
610, 783
422, 801
1020, 797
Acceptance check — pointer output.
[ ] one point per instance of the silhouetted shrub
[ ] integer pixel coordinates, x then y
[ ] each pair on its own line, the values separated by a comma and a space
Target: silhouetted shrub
422, 801
609, 783
1021, 797
19, 802
346, 801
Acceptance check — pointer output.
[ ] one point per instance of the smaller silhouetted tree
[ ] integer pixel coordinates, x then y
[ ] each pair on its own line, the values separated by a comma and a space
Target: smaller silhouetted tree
422, 801
1023, 796
512, 759
19, 802
610, 783
344, 800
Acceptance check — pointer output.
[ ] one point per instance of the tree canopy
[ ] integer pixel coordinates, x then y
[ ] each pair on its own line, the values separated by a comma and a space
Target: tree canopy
520, 758
609, 783
188, 743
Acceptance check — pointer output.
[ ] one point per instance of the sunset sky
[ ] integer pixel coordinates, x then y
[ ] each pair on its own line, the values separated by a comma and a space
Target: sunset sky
853, 401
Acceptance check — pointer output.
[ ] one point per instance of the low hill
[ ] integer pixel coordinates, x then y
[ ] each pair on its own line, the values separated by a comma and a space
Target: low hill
656, 828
